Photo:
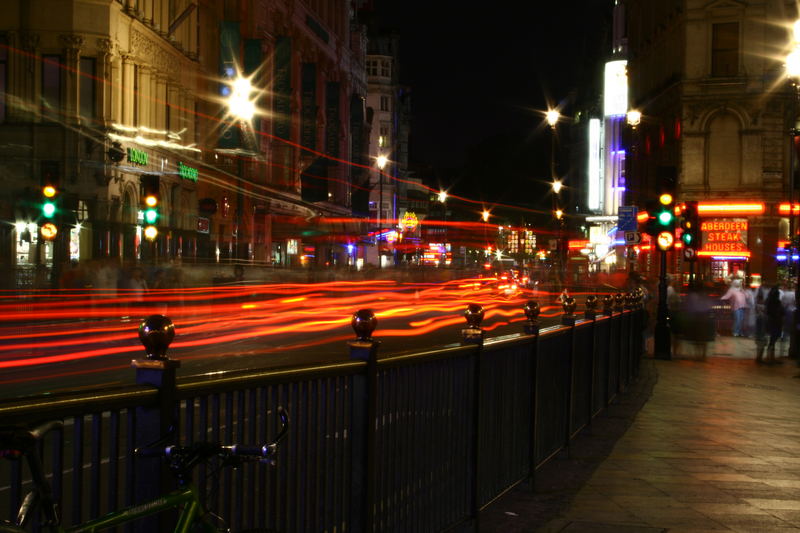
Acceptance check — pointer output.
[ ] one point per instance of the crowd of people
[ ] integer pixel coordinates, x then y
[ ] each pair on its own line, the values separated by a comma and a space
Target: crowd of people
763, 312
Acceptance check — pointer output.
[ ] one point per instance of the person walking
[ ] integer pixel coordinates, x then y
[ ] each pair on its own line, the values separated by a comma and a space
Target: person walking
760, 331
774, 311
738, 301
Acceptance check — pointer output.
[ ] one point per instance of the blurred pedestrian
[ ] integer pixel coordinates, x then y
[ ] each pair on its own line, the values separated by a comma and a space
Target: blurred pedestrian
738, 301
698, 325
774, 311
760, 332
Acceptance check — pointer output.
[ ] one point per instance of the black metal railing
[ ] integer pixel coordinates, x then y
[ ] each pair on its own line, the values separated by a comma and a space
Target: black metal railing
419, 441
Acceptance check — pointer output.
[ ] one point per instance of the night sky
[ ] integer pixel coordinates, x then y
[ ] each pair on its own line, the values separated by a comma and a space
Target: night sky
481, 75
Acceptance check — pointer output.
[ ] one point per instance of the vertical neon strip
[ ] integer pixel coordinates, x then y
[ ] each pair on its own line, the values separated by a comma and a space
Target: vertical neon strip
594, 165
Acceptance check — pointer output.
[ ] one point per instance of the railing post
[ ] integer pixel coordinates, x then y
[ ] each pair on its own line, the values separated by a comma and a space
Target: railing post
532, 328
474, 334
608, 311
619, 307
365, 407
158, 422
568, 319
590, 313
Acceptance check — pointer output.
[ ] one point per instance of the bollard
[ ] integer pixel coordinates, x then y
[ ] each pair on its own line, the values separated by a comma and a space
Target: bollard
155, 424
619, 302
608, 305
590, 313
568, 305
473, 334
532, 311
364, 323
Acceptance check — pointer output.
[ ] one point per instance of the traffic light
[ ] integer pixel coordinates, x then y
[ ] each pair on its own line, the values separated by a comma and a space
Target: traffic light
665, 222
151, 198
666, 212
690, 225
50, 189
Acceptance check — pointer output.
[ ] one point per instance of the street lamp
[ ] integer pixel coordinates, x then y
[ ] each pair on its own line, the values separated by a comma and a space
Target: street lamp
242, 107
793, 72
381, 161
240, 104
634, 118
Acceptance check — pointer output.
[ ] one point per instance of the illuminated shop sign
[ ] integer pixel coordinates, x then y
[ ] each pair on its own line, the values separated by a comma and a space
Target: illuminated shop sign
616, 88
187, 172
711, 209
725, 235
137, 157
409, 221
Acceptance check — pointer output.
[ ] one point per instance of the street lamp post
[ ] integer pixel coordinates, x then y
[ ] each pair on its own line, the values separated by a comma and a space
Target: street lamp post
242, 108
552, 116
793, 71
381, 161
442, 200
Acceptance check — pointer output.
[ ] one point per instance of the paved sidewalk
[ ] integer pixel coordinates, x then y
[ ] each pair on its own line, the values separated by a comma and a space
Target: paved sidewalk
715, 448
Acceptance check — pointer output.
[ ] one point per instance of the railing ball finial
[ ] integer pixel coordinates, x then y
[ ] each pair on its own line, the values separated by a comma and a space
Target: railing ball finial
473, 334
591, 307
639, 298
608, 305
630, 300
619, 302
532, 311
568, 306
364, 323
474, 315
156, 333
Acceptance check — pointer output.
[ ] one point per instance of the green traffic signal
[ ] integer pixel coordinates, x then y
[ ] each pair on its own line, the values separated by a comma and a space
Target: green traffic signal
665, 218
686, 238
150, 216
48, 209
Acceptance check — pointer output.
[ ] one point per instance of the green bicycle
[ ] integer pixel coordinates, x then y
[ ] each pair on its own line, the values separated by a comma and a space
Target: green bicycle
16, 443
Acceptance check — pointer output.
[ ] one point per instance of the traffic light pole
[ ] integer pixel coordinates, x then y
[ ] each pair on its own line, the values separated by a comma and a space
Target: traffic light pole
662, 336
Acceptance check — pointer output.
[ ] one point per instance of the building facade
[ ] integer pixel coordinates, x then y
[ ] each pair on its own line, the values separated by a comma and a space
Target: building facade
99, 98
717, 112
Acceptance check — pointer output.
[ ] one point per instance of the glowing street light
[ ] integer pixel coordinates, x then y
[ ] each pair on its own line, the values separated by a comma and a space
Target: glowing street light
559, 214
485, 215
552, 117
442, 196
557, 186
634, 118
381, 161
240, 105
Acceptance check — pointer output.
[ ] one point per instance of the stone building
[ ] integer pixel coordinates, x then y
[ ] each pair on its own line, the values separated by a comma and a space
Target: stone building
96, 95
717, 110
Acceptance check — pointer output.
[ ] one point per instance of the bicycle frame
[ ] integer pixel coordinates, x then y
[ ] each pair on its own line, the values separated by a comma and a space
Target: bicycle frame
186, 497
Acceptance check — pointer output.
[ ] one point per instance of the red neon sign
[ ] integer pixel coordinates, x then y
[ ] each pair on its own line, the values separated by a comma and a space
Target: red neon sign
752, 208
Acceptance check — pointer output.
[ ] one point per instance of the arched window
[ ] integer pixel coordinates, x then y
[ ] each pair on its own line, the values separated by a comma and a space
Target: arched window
128, 209
724, 152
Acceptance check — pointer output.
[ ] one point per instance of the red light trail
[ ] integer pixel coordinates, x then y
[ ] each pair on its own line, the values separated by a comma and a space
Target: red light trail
40, 328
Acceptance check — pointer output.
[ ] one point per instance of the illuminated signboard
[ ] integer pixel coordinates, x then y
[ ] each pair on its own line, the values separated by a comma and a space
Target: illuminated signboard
616, 88
595, 165
187, 172
137, 157
409, 221
725, 235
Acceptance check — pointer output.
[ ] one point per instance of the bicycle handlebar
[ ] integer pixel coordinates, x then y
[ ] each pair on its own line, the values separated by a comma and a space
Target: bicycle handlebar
188, 456
15, 440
